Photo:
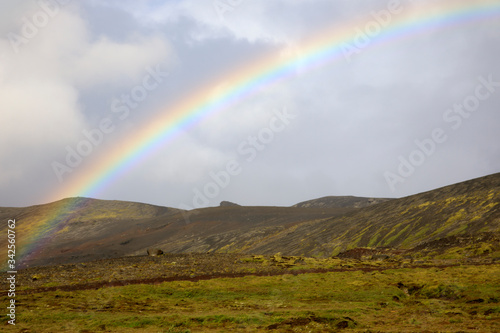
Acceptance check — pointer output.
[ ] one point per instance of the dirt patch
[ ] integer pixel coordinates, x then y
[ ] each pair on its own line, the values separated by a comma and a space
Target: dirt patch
344, 322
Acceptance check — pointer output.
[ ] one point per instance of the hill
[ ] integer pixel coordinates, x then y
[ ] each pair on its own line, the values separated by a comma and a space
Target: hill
468, 208
74, 224
341, 202
89, 229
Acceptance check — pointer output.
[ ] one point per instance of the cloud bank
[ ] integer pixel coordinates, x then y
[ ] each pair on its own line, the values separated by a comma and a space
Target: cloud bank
360, 125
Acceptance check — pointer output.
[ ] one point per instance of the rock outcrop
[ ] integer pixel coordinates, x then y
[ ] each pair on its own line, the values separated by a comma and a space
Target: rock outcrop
154, 252
228, 204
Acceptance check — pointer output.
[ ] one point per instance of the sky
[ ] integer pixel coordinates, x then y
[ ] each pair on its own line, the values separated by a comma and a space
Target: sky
385, 118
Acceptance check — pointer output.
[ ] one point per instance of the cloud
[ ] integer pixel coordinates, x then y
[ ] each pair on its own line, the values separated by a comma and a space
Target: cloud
187, 162
253, 21
106, 62
356, 118
41, 80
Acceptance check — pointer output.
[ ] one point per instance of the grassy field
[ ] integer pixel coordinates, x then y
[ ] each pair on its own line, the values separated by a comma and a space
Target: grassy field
463, 298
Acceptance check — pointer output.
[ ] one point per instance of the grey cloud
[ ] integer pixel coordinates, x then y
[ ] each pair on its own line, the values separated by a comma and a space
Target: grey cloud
355, 119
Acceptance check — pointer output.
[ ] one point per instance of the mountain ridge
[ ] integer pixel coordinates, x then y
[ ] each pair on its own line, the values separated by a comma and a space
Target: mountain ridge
342, 201
92, 229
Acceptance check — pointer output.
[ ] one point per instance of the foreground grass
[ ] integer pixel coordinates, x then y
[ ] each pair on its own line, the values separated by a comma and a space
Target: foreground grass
453, 299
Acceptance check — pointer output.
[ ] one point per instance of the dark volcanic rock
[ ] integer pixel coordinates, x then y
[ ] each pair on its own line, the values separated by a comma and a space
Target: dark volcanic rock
228, 204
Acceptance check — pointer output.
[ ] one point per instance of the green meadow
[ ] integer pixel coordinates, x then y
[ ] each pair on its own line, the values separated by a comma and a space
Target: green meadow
463, 298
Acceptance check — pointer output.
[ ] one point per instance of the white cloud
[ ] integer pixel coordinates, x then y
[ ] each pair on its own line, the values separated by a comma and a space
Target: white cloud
106, 62
254, 21
40, 84
189, 161
244, 118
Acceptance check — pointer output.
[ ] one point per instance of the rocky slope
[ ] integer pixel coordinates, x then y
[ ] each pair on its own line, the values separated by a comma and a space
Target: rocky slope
341, 202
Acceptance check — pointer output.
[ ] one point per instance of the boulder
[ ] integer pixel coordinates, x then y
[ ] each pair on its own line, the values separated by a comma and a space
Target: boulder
380, 257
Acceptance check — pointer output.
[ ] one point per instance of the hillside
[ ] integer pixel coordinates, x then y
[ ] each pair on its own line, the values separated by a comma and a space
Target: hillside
88, 229
468, 208
471, 207
341, 202
74, 224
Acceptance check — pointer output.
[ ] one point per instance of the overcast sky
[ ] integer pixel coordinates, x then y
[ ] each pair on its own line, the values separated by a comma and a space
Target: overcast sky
349, 127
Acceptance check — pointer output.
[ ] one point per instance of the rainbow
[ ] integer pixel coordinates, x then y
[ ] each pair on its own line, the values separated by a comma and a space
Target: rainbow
325, 48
